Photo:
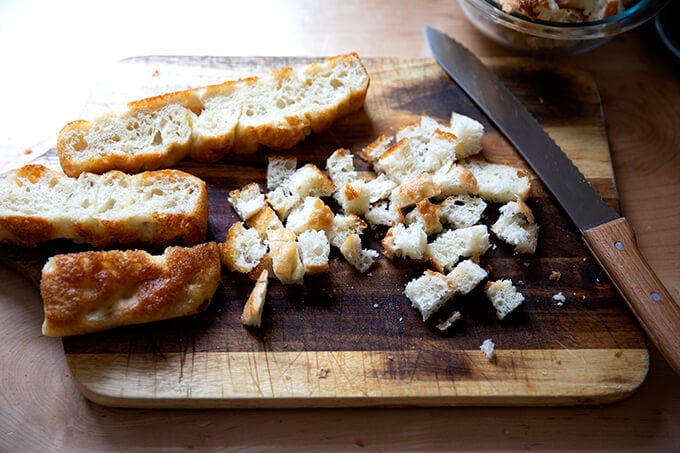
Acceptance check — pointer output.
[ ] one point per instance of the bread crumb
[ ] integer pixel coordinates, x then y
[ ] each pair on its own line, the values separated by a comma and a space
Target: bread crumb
560, 298
28, 151
488, 348
448, 322
555, 276
155, 73
618, 353
322, 372
558, 361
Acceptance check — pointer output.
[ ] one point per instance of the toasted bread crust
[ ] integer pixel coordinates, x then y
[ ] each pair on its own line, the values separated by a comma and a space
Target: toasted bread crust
94, 291
277, 111
100, 225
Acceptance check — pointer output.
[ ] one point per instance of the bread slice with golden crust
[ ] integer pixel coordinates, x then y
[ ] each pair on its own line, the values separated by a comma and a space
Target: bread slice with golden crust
99, 290
155, 208
277, 110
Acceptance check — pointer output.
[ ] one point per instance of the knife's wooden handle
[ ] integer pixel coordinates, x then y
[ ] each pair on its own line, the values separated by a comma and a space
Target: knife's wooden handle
613, 245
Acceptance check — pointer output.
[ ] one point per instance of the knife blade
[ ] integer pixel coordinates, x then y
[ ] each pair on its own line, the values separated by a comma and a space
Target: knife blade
606, 234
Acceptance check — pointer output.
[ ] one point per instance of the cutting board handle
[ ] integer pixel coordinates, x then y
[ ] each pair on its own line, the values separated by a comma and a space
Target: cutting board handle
613, 245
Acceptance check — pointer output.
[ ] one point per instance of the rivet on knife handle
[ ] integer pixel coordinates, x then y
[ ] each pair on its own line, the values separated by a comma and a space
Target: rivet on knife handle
613, 245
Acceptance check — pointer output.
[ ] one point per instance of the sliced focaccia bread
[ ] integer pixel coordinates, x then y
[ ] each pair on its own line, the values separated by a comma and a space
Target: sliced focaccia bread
99, 290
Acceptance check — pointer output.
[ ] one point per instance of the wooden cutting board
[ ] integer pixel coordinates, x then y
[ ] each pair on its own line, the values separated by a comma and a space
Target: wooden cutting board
349, 339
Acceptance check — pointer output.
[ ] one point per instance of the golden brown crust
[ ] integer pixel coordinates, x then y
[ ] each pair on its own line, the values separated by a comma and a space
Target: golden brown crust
94, 291
285, 257
252, 310
159, 229
278, 132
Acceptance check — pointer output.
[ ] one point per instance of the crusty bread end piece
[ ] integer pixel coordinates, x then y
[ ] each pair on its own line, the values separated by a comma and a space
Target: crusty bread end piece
155, 208
99, 290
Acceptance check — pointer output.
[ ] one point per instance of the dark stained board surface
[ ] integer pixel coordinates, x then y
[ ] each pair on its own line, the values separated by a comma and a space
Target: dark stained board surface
351, 339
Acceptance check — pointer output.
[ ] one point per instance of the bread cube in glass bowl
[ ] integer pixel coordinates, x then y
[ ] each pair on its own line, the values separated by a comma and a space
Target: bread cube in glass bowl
557, 27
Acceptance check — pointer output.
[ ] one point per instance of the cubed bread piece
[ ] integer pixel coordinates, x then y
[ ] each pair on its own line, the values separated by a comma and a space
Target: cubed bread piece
252, 310
427, 214
498, 182
383, 213
283, 199
469, 133
243, 248
353, 197
265, 219
454, 179
504, 297
414, 190
445, 251
247, 201
405, 241
376, 148
398, 162
444, 324
379, 188
279, 169
342, 226
362, 259
461, 211
429, 292
311, 214
309, 181
286, 263
466, 276
314, 250
516, 226
340, 167
420, 131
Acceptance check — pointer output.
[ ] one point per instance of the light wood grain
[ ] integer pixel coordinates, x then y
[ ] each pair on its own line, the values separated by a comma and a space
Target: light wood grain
42, 410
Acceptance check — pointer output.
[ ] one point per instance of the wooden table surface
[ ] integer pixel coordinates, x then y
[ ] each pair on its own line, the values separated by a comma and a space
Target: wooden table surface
54, 52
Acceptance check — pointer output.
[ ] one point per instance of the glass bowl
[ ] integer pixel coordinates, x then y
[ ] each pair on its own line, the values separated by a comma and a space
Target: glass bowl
537, 37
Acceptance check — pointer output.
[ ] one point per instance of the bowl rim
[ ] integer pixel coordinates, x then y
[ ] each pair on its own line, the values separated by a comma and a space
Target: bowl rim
628, 19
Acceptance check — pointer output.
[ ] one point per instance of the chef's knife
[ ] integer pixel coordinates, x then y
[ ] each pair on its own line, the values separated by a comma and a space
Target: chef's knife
607, 234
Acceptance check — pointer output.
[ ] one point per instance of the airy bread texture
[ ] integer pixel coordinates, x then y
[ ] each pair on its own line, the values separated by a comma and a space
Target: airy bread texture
466, 276
148, 209
429, 292
99, 290
504, 297
516, 226
277, 110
